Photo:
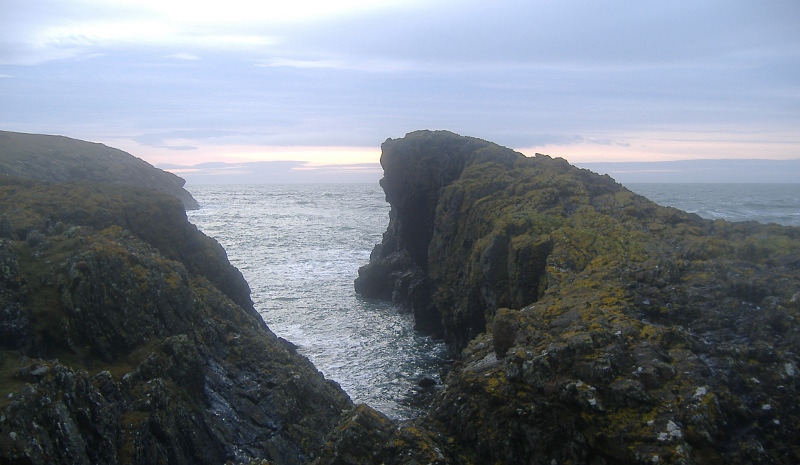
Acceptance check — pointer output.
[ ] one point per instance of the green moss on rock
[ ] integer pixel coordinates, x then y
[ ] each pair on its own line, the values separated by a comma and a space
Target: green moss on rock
592, 325
129, 338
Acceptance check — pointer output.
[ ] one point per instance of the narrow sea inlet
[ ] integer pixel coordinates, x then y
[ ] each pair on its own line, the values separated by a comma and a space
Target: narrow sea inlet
299, 247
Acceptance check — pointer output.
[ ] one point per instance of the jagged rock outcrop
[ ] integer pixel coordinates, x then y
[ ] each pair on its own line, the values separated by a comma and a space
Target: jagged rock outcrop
61, 159
127, 337
592, 325
445, 256
417, 170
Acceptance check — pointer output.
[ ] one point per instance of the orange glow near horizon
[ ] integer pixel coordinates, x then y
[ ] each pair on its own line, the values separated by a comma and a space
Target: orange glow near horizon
673, 147
312, 156
634, 148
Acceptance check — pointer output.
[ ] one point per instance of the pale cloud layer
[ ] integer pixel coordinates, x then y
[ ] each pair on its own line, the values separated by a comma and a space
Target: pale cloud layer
190, 81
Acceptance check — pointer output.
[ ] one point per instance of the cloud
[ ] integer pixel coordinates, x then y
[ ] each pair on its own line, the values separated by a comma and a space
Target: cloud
170, 139
341, 64
178, 147
183, 56
577, 34
47, 30
574, 35
700, 171
565, 140
304, 63
575, 74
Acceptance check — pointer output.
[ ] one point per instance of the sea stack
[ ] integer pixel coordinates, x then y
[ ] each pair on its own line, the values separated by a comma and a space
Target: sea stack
641, 333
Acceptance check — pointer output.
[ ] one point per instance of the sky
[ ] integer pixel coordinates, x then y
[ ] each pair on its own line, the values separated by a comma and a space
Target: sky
321, 83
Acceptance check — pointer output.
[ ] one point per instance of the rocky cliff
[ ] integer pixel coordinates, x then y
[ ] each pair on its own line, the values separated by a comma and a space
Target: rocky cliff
61, 159
127, 337
591, 325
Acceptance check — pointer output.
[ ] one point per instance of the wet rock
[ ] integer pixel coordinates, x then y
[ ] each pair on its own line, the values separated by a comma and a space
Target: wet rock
427, 383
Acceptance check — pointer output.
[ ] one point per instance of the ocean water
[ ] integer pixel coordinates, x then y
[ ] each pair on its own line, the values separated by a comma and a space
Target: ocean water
300, 246
765, 203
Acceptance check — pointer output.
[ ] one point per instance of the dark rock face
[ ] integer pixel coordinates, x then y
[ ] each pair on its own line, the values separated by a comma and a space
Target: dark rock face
417, 169
593, 325
61, 159
127, 337
444, 256
142, 212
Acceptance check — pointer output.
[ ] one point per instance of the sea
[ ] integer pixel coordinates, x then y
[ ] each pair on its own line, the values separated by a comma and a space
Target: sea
300, 246
765, 203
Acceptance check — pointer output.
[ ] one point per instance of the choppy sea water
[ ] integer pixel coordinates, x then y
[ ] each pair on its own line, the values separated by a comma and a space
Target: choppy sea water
299, 247
765, 203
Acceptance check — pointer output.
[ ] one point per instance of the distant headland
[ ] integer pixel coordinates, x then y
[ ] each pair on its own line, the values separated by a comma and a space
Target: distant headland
61, 159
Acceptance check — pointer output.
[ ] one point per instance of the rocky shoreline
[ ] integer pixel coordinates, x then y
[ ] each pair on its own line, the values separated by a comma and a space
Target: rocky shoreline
127, 337
589, 325
593, 326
